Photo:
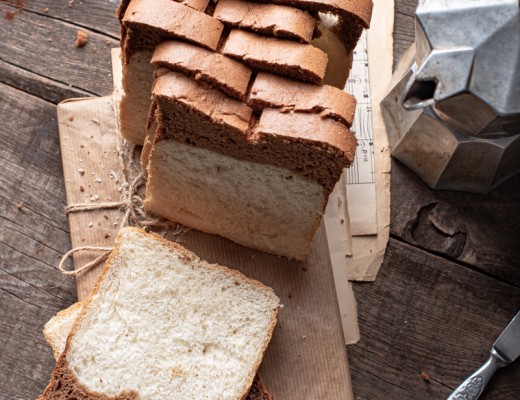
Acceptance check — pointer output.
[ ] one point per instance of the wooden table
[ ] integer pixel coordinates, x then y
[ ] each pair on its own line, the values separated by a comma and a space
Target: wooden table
450, 280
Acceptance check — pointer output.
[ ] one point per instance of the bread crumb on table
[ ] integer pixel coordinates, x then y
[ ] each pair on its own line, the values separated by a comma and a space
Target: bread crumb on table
20, 205
81, 39
425, 376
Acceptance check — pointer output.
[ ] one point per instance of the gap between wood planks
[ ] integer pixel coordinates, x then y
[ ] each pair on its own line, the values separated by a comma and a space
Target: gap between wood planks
68, 74
457, 262
56, 5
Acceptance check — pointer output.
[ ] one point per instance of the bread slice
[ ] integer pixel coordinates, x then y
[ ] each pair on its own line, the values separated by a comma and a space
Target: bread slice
144, 24
269, 19
224, 73
57, 330
272, 91
161, 323
300, 61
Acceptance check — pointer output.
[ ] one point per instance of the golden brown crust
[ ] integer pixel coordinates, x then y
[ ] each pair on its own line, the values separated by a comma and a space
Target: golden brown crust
220, 109
300, 61
64, 385
268, 19
327, 146
361, 9
353, 15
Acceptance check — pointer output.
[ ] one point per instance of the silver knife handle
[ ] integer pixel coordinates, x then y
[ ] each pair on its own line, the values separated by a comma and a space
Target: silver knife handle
472, 388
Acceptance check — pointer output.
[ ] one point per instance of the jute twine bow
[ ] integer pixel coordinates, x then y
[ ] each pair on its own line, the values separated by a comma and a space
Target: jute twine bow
131, 204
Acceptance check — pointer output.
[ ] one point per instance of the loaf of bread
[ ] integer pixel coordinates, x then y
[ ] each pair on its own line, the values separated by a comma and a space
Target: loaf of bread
58, 328
161, 323
257, 172
242, 139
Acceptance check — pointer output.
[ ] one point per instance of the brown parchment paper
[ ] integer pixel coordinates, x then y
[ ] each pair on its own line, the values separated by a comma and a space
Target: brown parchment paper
368, 251
307, 357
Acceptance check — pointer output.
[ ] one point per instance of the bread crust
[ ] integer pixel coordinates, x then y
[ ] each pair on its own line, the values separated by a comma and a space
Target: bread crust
46, 330
361, 9
274, 91
64, 384
299, 61
148, 22
269, 19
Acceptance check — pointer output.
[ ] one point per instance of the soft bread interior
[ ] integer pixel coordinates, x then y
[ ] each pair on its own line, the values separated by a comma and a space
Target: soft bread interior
165, 324
256, 205
58, 328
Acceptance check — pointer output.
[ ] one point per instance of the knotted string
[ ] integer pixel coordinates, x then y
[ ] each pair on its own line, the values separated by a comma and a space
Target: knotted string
131, 205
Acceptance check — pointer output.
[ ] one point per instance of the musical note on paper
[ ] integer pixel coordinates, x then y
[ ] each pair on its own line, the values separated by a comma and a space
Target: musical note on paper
360, 179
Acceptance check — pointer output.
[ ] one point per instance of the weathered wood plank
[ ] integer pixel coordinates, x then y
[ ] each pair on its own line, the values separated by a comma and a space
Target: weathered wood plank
426, 314
38, 85
481, 231
44, 47
404, 27
95, 15
32, 239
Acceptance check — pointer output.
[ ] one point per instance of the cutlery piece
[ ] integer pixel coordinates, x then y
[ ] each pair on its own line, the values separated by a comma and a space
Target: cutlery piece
505, 350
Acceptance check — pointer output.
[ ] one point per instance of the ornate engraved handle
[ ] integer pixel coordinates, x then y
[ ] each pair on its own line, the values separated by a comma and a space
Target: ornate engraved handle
472, 388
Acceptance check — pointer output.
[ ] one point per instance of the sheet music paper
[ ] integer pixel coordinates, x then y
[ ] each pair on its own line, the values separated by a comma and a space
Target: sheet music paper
360, 177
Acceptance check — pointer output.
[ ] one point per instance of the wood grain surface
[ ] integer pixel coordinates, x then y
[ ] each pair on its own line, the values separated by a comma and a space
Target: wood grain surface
450, 280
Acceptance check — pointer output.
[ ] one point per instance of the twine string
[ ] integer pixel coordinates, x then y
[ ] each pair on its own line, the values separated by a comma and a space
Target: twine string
131, 205
106, 251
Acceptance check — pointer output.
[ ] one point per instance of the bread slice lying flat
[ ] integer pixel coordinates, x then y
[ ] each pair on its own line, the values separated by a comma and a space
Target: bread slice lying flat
58, 328
163, 324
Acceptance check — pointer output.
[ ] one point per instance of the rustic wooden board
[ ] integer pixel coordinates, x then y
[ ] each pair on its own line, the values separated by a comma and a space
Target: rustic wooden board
445, 327
32, 240
480, 231
43, 47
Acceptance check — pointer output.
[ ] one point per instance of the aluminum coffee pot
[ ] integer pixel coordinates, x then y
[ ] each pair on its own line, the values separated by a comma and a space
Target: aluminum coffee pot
453, 110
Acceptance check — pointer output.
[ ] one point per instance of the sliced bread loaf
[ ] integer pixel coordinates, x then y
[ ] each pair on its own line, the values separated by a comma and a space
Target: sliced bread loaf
261, 183
58, 329
161, 323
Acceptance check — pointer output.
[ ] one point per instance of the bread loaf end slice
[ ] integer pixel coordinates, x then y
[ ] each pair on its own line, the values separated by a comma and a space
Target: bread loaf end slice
57, 330
161, 323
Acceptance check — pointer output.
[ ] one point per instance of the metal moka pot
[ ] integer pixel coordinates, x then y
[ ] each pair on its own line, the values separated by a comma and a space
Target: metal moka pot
453, 110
